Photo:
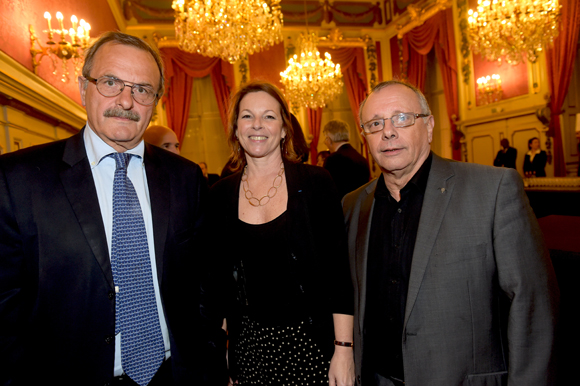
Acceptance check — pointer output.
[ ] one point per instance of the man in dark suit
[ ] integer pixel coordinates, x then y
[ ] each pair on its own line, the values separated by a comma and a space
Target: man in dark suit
90, 293
348, 168
506, 157
453, 283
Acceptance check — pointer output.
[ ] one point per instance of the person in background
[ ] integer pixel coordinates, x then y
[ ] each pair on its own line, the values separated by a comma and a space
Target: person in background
453, 282
210, 177
348, 168
535, 159
321, 157
283, 251
100, 260
162, 137
506, 157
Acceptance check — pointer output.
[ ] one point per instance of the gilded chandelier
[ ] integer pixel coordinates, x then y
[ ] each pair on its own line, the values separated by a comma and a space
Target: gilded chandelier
62, 49
513, 28
228, 29
310, 80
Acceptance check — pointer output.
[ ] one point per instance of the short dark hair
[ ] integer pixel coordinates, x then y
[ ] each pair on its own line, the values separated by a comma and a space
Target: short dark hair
422, 100
238, 159
120, 38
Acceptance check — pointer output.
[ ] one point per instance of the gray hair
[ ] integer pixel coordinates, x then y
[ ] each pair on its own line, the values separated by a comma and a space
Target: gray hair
120, 38
422, 100
337, 130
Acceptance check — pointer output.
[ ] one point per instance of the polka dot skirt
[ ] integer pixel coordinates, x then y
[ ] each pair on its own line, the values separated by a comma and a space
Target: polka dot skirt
279, 355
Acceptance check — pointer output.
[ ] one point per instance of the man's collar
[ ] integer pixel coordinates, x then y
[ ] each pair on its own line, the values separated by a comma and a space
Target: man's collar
97, 148
419, 179
340, 144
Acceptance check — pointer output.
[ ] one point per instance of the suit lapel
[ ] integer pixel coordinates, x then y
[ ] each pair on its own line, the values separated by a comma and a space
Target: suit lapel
362, 245
437, 196
78, 183
159, 194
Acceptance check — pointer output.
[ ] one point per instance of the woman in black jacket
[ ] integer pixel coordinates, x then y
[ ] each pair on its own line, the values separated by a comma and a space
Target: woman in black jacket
535, 159
278, 232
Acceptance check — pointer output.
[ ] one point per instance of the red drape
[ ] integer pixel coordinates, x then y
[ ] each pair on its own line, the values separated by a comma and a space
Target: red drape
314, 119
180, 69
352, 67
267, 65
560, 65
436, 32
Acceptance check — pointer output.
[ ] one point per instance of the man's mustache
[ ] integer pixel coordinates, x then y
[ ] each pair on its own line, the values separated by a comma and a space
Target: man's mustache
126, 114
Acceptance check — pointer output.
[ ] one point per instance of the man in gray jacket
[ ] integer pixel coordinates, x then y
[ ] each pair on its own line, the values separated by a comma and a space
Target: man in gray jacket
453, 283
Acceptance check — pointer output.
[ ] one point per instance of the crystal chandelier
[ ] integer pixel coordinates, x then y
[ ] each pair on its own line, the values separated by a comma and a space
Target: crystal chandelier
228, 29
489, 89
62, 49
309, 80
513, 28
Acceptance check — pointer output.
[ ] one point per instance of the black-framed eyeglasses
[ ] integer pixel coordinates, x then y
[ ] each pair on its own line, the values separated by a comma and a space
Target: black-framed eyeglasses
110, 87
398, 120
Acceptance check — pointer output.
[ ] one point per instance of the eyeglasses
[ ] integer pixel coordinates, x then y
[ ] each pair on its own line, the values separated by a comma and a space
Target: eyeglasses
110, 87
398, 120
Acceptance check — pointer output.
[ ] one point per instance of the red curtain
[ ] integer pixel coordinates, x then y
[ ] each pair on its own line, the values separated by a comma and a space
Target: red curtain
560, 65
177, 102
352, 67
180, 69
314, 119
436, 32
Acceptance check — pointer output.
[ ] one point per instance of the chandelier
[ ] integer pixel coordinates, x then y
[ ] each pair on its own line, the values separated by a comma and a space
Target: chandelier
513, 28
309, 80
489, 89
62, 49
228, 29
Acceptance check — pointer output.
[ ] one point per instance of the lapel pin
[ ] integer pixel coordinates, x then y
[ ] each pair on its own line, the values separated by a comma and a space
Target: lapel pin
442, 190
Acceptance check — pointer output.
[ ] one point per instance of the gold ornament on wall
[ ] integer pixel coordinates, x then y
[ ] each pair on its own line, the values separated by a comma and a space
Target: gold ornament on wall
63, 50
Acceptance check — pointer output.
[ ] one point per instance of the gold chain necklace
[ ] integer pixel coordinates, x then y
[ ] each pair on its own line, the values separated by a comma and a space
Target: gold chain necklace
254, 201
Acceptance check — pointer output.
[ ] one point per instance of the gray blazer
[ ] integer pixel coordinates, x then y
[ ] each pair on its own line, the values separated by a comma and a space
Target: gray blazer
478, 239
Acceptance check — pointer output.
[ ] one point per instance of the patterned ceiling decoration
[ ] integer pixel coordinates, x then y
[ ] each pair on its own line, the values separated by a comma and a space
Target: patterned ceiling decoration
343, 13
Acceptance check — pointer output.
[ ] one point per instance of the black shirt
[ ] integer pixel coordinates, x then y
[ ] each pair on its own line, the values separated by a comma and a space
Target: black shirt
392, 242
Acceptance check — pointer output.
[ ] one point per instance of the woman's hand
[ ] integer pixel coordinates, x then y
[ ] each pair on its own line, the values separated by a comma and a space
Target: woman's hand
341, 372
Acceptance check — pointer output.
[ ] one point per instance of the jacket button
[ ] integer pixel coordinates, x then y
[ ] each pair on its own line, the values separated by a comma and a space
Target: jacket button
111, 295
109, 339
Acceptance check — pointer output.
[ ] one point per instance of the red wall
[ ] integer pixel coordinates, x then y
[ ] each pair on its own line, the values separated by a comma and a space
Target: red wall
16, 15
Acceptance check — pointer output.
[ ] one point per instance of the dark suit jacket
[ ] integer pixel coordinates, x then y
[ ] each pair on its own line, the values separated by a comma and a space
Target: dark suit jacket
507, 159
348, 169
57, 302
478, 242
316, 239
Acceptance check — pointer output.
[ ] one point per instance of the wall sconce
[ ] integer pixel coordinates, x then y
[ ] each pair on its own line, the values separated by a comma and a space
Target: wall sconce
489, 89
62, 50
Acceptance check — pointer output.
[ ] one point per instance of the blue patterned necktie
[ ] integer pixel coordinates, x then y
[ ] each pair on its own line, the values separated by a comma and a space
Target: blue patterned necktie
142, 349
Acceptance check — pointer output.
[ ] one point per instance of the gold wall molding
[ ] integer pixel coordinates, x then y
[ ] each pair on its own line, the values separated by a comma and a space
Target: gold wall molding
416, 14
17, 82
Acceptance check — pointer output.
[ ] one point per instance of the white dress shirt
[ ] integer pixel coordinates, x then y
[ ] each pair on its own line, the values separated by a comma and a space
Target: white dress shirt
103, 169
